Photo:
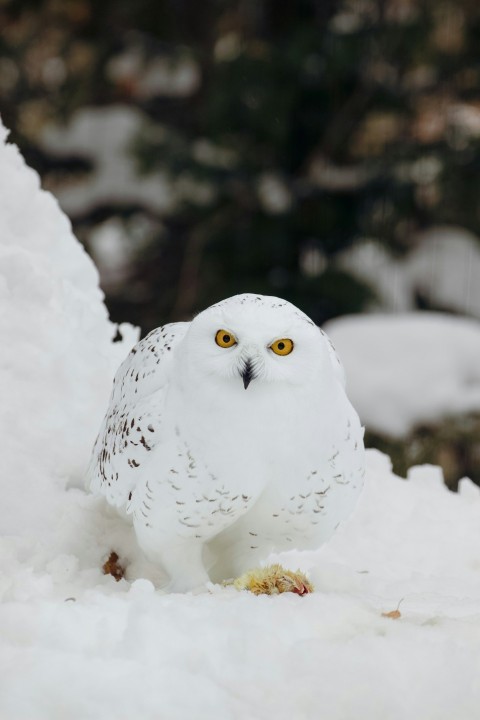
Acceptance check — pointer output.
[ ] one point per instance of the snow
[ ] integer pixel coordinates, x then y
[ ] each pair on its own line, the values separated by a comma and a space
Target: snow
372, 263
105, 137
75, 644
112, 251
57, 358
154, 77
114, 244
273, 194
408, 369
443, 267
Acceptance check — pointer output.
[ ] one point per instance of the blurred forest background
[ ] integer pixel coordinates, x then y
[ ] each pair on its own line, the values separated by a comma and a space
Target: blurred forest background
326, 151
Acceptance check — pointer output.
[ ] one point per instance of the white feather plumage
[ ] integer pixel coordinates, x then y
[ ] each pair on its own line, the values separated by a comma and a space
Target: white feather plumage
208, 468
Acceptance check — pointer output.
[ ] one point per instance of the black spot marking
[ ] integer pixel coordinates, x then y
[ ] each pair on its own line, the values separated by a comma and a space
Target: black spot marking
144, 443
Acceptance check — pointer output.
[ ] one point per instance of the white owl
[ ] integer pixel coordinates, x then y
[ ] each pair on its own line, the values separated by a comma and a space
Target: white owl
229, 437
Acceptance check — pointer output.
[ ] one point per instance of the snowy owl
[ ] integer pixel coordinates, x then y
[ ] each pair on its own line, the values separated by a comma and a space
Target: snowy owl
230, 437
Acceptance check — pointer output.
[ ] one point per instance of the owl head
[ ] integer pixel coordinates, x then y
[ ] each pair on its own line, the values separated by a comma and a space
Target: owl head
252, 340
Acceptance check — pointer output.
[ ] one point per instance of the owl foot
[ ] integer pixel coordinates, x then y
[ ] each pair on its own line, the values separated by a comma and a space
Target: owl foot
273, 580
113, 567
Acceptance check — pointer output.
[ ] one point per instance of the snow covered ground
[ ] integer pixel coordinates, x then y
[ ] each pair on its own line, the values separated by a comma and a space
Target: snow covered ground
407, 369
75, 644
443, 269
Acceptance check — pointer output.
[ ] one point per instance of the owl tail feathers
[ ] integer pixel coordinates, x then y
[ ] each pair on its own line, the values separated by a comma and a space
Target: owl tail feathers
273, 580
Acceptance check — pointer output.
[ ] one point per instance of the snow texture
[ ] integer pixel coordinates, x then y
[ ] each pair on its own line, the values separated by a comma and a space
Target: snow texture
443, 269
57, 358
74, 644
409, 369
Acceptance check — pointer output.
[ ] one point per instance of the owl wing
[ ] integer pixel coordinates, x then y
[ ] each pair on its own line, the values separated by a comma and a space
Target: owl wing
132, 426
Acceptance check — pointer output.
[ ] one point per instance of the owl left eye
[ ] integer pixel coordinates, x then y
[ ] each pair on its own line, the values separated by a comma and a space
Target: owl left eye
284, 346
225, 339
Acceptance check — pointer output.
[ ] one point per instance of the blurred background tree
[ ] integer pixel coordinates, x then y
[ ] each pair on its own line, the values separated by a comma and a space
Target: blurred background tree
263, 138
326, 151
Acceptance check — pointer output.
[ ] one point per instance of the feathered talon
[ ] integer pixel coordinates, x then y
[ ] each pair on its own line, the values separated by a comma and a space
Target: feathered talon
273, 580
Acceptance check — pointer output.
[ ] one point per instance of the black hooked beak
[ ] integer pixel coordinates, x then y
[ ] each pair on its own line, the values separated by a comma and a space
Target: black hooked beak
248, 375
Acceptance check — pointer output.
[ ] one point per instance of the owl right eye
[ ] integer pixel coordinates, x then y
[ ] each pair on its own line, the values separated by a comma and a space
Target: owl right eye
225, 339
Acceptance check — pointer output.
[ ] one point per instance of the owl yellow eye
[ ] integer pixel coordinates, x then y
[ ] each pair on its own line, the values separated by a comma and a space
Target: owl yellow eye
225, 339
282, 347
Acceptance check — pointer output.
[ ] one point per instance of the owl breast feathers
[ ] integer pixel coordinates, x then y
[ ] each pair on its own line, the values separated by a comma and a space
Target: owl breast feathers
228, 438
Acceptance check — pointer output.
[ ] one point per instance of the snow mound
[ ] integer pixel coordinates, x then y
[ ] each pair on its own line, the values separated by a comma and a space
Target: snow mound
404, 370
105, 137
372, 263
443, 269
57, 357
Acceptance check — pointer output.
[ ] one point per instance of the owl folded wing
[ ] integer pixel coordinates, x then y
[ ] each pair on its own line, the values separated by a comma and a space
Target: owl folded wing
132, 426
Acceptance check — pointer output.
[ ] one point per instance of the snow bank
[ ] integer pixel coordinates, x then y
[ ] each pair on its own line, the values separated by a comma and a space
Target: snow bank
105, 137
443, 268
408, 369
56, 359
74, 644
373, 264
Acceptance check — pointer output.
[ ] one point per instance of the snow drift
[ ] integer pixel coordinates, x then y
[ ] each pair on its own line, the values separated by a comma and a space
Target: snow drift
57, 357
408, 369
